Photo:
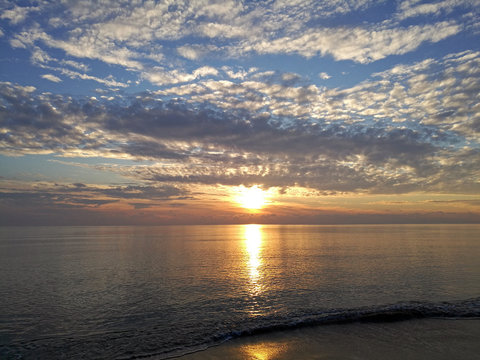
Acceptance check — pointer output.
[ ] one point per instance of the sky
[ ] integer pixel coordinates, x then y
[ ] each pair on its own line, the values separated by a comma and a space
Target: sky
215, 112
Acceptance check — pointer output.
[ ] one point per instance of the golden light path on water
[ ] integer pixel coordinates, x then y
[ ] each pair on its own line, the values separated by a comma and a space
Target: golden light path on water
253, 247
253, 242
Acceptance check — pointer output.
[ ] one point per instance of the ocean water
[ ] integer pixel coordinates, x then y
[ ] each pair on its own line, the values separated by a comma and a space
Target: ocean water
139, 292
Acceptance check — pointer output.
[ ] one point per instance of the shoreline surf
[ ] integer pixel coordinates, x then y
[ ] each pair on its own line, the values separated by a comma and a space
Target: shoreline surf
421, 339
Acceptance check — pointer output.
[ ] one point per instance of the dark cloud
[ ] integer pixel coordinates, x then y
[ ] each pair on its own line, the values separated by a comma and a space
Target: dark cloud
141, 192
46, 199
46, 196
141, 205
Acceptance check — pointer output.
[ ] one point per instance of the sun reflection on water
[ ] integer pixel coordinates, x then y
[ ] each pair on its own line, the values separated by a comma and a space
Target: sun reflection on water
264, 350
253, 248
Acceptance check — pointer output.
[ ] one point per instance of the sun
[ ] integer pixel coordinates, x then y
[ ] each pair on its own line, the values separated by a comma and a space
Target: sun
252, 198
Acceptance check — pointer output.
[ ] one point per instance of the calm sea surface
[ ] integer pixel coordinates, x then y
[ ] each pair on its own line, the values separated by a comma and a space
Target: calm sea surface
128, 292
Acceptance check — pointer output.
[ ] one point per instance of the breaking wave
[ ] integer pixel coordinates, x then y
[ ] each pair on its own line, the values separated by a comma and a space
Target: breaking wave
379, 314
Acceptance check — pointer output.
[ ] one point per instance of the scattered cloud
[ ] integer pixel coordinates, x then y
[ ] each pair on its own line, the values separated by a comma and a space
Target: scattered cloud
274, 133
161, 76
51, 77
80, 195
413, 8
324, 76
360, 44
133, 37
17, 14
191, 52
77, 75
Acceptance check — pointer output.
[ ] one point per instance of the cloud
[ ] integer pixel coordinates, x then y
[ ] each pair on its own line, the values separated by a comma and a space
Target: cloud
141, 37
160, 76
409, 9
45, 203
325, 8
91, 47
238, 73
197, 51
81, 44
141, 192
431, 92
461, 202
51, 77
37, 197
191, 52
360, 44
271, 129
324, 76
81, 195
18, 14
141, 205
43, 60
77, 75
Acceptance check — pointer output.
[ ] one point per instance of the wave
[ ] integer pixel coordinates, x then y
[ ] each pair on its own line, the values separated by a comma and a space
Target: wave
401, 311
385, 313
208, 336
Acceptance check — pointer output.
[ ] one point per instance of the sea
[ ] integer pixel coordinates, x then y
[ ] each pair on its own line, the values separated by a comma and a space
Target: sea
131, 292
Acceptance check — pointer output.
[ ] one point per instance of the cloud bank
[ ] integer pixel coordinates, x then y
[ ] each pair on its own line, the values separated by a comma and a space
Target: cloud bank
273, 133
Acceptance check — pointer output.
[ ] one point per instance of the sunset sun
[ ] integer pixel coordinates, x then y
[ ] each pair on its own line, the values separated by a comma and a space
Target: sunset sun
252, 198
